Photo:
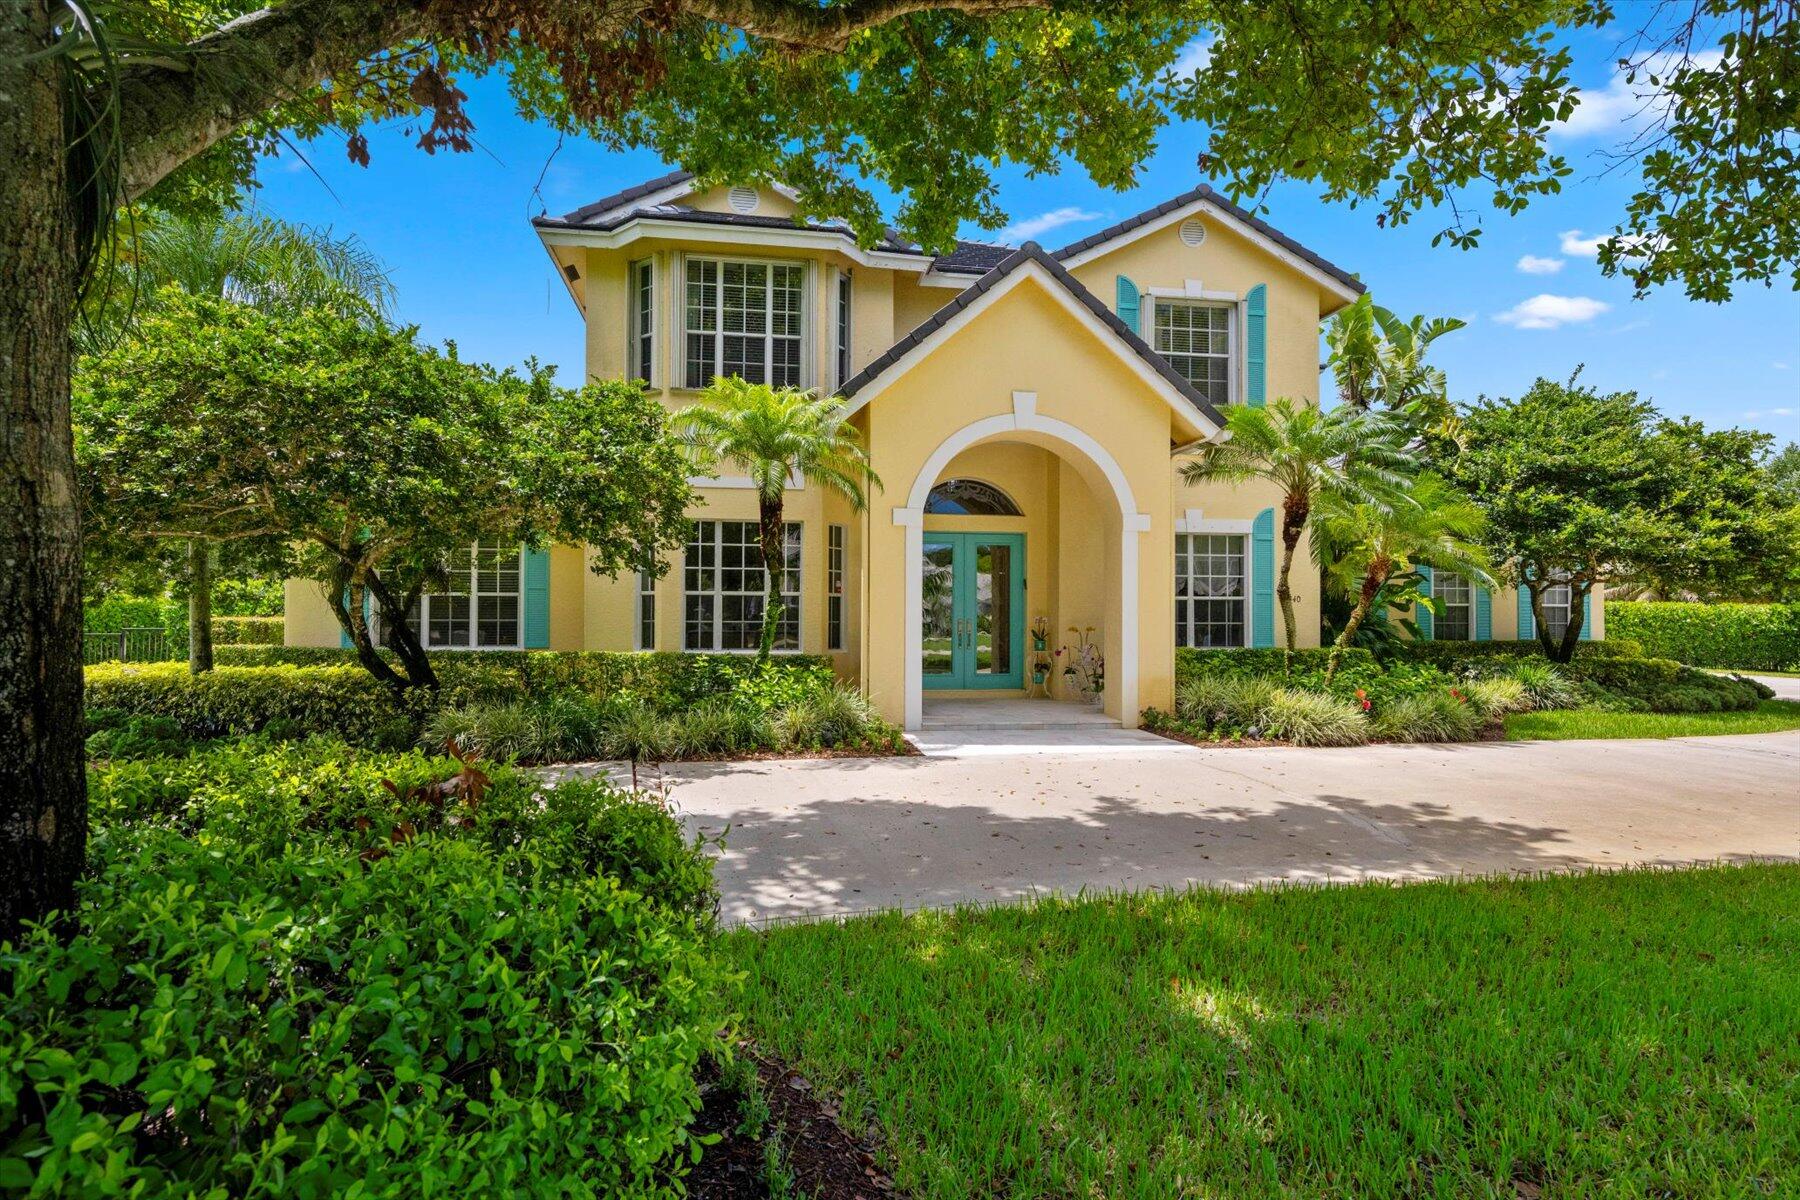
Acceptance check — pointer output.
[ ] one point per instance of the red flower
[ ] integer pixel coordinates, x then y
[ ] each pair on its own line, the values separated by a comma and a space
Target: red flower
1366, 705
1456, 693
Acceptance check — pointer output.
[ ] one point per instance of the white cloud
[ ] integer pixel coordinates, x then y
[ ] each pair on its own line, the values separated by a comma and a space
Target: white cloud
1575, 246
1545, 311
1195, 57
1622, 107
1532, 264
1781, 366
1771, 412
1044, 222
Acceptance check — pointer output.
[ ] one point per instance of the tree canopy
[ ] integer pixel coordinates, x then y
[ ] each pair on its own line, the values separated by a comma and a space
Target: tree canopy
1587, 488
377, 458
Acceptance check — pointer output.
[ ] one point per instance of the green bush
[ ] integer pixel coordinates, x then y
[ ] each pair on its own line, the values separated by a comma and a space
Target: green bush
264, 997
1311, 719
1660, 685
1496, 697
1545, 685
1429, 717
1228, 703
247, 631
1747, 637
346, 701
137, 737
1191, 662
1451, 655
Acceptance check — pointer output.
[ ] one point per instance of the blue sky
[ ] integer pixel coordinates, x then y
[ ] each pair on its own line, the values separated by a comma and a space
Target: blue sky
453, 230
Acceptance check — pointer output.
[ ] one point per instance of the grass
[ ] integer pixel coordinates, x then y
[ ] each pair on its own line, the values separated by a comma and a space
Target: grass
1771, 716
1623, 1034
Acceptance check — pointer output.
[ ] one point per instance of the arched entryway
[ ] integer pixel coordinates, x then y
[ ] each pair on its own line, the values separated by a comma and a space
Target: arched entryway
1116, 508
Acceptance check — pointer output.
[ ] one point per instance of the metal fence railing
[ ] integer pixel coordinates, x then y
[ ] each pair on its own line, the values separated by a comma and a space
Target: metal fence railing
145, 644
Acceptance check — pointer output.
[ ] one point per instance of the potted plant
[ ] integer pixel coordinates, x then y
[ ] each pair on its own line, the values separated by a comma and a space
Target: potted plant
1084, 666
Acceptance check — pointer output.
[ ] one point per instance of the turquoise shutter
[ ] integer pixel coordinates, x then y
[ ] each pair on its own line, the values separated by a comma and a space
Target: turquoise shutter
1527, 627
1127, 304
1484, 615
537, 599
1256, 345
1587, 617
344, 638
1262, 579
1423, 617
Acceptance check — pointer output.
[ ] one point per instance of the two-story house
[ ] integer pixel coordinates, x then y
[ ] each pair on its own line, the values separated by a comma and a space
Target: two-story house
1027, 410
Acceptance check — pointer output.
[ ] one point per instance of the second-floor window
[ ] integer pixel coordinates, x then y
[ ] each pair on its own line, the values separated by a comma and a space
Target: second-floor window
643, 320
1196, 339
743, 318
843, 326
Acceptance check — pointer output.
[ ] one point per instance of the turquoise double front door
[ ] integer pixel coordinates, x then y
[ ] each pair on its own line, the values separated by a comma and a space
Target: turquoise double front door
974, 610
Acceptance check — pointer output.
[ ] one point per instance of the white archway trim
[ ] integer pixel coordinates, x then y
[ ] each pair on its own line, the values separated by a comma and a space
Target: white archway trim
1023, 419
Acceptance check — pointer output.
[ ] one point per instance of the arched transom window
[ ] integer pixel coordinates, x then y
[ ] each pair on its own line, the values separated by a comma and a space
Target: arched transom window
972, 498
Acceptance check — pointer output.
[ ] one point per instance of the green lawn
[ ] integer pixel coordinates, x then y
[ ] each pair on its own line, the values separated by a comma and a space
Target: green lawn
1621, 1035
1771, 716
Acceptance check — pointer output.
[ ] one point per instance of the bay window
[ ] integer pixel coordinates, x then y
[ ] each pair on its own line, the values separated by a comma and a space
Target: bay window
642, 358
723, 587
744, 319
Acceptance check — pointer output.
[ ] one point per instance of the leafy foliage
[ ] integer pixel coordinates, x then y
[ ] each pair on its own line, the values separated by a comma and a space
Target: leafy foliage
381, 457
1748, 637
515, 995
1585, 489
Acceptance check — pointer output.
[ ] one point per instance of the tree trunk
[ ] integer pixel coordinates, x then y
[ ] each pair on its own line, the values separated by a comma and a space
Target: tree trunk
1572, 635
1373, 581
200, 655
1295, 509
774, 559
43, 788
399, 635
1552, 650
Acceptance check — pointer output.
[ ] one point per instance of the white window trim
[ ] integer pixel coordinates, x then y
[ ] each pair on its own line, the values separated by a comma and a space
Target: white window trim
1437, 579
843, 313
1194, 523
1234, 333
718, 609
841, 569
423, 631
656, 318
808, 313
637, 611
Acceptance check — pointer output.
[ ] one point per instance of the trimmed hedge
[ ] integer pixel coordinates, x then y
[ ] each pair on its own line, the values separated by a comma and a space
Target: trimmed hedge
1743, 637
1661, 685
1449, 654
285, 981
248, 631
285, 701
1191, 663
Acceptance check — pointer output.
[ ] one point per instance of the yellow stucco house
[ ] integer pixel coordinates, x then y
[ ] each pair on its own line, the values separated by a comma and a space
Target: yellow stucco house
1028, 412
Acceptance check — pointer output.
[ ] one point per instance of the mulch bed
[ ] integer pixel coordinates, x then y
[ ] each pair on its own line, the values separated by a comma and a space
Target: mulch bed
1492, 732
824, 1161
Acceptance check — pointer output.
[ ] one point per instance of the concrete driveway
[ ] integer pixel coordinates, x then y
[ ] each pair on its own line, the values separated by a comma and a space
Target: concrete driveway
998, 815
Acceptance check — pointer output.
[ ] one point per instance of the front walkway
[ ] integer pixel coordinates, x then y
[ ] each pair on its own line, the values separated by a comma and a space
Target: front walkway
996, 815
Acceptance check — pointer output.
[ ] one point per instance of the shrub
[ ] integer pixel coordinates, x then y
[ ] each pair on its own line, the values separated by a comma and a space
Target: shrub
1494, 698
823, 718
1191, 662
137, 737
1225, 702
1545, 687
1748, 637
491, 1006
346, 701
248, 631
1663, 685
1431, 717
1312, 719
1452, 655
720, 727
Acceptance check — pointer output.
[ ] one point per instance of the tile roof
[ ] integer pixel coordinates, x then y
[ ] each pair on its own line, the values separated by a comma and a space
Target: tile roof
635, 192
972, 258
1203, 192
1031, 252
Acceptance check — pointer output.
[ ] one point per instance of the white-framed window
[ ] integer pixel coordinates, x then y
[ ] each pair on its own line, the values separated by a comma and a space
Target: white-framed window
842, 348
1196, 337
1211, 589
646, 611
1455, 617
744, 318
834, 587
723, 582
1557, 602
643, 320
483, 605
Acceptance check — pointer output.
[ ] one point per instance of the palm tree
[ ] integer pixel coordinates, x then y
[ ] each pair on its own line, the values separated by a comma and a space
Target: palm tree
258, 261
1382, 547
774, 434
1347, 453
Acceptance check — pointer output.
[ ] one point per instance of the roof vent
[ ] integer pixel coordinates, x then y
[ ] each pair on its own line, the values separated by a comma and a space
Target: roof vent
1192, 232
742, 199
